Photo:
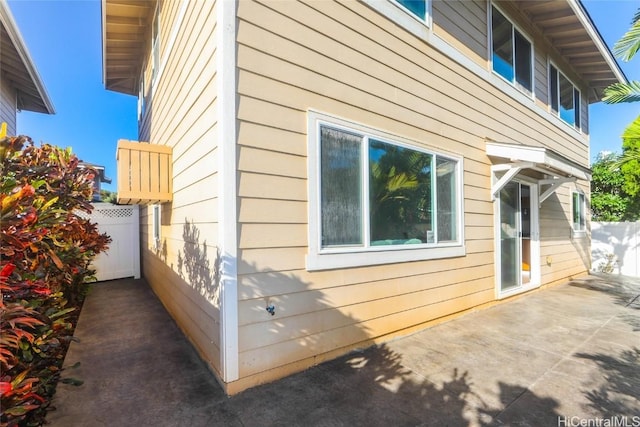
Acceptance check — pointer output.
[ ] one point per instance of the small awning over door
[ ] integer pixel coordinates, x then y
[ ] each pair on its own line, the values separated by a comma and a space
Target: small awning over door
511, 159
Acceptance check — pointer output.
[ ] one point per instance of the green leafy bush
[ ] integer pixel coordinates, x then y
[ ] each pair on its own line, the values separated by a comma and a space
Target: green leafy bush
46, 250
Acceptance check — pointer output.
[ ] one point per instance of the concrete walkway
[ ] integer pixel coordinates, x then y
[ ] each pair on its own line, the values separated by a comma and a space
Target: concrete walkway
552, 358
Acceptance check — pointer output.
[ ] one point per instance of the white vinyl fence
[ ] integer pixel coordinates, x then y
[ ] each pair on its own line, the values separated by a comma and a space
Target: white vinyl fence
615, 247
122, 224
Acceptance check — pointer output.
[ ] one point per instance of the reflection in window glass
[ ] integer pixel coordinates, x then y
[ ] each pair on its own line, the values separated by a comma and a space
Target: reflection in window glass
399, 194
567, 112
565, 97
378, 193
553, 87
523, 62
341, 188
511, 52
417, 7
502, 32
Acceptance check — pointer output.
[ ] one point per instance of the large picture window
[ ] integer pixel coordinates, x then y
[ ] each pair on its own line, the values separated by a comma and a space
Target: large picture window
379, 194
564, 96
512, 52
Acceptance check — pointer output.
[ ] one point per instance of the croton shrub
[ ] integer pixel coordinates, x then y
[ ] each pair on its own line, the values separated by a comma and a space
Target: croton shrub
46, 249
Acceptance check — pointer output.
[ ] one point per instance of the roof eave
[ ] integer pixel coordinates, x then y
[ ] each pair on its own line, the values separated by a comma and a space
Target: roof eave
588, 24
128, 18
45, 105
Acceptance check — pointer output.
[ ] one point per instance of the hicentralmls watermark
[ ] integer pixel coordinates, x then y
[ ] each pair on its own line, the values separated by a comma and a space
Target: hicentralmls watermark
618, 421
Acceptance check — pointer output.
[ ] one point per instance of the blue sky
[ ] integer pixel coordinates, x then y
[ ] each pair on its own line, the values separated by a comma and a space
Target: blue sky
64, 39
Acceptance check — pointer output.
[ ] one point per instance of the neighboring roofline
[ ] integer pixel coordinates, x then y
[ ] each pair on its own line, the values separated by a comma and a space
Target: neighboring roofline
18, 42
594, 33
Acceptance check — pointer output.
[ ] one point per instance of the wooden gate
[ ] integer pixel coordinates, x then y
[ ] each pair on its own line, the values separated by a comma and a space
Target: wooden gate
122, 224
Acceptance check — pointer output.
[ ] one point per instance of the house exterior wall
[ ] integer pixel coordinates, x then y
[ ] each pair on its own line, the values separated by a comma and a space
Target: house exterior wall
8, 99
180, 110
348, 60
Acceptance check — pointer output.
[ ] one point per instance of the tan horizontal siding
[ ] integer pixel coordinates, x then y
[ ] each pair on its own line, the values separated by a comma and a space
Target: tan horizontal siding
293, 299
492, 97
263, 284
297, 319
541, 74
200, 322
272, 138
257, 360
271, 162
8, 105
272, 235
430, 74
344, 59
463, 24
257, 211
190, 66
182, 113
272, 187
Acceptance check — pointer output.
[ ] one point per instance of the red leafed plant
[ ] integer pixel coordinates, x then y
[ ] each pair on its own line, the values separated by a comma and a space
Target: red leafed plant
46, 250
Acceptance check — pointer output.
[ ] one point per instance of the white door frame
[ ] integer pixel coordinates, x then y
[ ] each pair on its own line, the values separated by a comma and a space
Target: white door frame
534, 263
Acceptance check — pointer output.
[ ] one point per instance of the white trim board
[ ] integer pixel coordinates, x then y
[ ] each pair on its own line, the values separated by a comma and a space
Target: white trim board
227, 188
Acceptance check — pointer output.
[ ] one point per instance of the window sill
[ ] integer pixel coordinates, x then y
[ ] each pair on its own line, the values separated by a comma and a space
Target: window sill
578, 234
327, 261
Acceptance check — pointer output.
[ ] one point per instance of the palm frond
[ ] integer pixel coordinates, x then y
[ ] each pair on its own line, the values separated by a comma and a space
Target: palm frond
626, 158
633, 130
629, 44
618, 93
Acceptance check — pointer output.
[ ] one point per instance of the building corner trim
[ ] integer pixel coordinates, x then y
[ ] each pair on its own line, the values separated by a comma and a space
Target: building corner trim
227, 187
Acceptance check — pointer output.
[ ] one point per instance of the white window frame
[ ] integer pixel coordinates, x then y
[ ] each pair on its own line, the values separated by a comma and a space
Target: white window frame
319, 258
403, 16
577, 126
515, 27
156, 226
141, 101
581, 230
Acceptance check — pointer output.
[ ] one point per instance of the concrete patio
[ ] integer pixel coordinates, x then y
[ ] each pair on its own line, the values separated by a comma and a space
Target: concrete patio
554, 357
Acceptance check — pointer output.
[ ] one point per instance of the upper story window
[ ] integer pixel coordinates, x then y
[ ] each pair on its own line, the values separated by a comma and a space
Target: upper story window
512, 53
141, 94
155, 43
377, 194
578, 209
417, 7
564, 97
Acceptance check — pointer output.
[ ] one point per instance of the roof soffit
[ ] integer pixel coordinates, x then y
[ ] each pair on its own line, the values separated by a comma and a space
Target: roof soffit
18, 67
125, 26
571, 32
